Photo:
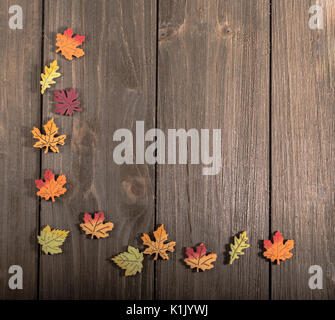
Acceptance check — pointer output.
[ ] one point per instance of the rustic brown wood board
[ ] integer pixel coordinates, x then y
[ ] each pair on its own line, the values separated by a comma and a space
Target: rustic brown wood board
252, 68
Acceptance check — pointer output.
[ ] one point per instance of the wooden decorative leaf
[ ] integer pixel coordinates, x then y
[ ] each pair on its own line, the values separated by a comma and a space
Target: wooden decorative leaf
66, 102
67, 44
51, 188
96, 227
49, 76
48, 140
240, 244
51, 240
158, 247
131, 261
199, 259
278, 250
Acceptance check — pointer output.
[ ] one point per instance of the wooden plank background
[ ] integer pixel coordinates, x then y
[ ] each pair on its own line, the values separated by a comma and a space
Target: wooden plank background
251, 68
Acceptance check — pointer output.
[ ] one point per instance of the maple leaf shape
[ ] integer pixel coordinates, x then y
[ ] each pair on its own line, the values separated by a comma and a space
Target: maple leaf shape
158, 247
240, 244
198, 259
278, 250
49, 76
48, 140
67, 102
51, 240
51, 188
96, 227
131, 261
68, 44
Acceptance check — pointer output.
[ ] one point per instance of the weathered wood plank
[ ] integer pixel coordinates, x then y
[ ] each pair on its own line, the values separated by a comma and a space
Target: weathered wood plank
116, 83
303, 146
214, 73
19, 162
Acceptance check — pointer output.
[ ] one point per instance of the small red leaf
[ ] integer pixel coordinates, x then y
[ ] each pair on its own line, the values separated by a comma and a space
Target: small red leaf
66, 102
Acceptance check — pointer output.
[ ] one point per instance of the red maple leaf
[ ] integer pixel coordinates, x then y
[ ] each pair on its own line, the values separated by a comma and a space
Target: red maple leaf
66, 102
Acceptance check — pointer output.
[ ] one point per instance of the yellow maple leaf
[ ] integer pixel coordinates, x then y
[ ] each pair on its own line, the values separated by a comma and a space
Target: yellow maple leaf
49, 76
131, 261
50, 188
48, 140
51, 240
68, 44
158, 247
96, 227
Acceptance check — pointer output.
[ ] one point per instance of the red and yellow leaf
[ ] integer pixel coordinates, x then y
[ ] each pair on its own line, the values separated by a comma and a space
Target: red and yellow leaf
158, 247
199, 259
96, 227
51, 188
278, 250
67, 44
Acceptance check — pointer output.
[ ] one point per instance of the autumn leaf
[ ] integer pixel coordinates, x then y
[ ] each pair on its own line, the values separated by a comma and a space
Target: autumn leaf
199, 259
68, 44
51, 188
96, 227
51, 240
66, 102
48, 140
278, 250
131, 261
158, 247
240, 244
49, 76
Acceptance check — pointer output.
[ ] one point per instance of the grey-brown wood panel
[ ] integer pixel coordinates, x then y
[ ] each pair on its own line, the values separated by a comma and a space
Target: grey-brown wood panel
303, 180
213, 72
116, 83
19, 163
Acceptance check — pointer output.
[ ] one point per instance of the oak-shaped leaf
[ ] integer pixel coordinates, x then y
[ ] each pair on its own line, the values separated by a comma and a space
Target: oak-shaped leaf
199, 259
51, 240
96, 227
67, 44
131, 261
66, 102
50, 188
49, 76
278, 250
49, 139
158, 247
240, 244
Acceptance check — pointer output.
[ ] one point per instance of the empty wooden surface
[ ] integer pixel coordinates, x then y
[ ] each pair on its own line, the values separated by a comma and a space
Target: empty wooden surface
252, 68
19, 164
303, 147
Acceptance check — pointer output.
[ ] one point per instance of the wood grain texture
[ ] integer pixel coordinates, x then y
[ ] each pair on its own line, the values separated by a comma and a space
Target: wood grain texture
213, 72
116, 83
19, 164
303, 146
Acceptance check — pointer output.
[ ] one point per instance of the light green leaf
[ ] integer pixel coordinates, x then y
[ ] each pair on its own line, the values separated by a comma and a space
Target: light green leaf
131, 261
238, 247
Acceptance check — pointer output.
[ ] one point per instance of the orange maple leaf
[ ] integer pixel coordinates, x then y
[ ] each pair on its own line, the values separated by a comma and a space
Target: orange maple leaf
51, 188
278, 250
68, 44
199, 259
158, 247
96, 227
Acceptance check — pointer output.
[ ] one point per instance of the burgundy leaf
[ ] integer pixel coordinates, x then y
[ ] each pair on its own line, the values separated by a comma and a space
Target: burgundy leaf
66, 102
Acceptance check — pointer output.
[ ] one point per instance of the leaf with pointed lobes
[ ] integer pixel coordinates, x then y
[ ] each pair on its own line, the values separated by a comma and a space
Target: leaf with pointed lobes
96, 227
199, 259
